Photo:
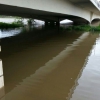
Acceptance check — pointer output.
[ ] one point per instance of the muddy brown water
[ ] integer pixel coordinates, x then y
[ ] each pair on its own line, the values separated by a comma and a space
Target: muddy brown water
64, 66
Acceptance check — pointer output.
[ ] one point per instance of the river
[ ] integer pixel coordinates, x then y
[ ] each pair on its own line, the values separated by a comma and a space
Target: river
50, 65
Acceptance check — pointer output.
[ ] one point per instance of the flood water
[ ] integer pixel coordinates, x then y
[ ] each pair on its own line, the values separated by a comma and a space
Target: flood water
55, 66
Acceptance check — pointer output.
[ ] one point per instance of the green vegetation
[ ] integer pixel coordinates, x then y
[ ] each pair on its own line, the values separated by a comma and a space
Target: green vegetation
9, 25
82, 28
14, 24
18, 22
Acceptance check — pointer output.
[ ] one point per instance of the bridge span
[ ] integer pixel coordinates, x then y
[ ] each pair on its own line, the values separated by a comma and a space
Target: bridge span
79, 11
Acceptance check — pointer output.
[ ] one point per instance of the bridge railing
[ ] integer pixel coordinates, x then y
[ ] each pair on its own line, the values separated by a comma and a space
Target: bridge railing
96, 3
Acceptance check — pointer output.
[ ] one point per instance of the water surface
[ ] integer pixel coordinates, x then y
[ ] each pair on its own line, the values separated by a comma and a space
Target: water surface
61, 66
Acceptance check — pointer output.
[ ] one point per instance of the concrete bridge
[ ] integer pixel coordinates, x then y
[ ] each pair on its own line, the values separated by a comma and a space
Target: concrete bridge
79, 11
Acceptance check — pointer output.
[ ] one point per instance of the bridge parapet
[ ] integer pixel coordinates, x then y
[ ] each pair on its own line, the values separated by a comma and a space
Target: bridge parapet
96, 3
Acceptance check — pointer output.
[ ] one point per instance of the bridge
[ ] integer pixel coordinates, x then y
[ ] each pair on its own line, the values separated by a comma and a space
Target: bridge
53, 11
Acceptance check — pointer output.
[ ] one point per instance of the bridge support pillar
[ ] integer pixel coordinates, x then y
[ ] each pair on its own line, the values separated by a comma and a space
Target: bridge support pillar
52, 24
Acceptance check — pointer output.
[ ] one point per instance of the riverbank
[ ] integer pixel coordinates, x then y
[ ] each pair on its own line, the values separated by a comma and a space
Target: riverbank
82, 28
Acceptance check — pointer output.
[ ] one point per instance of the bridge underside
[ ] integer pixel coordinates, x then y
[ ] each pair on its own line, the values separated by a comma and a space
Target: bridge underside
38, 14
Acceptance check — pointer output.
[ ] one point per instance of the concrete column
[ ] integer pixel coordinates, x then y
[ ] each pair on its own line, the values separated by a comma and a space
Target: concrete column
2, 92
58, 25
52, 24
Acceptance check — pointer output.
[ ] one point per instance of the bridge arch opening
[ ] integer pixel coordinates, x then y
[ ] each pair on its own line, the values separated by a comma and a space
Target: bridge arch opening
95, 22
65, 23
76, 20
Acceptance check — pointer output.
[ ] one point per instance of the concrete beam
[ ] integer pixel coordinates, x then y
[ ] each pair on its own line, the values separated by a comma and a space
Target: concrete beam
47, 10
57, 7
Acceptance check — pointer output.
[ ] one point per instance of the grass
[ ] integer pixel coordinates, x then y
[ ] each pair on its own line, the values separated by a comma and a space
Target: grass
10, 25
82, 28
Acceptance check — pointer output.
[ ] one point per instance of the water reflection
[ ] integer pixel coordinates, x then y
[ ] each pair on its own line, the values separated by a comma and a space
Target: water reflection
48, 70
4, 33
88, 84
10, 32
51, 74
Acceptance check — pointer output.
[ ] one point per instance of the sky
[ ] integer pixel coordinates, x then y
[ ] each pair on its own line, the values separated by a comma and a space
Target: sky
10, 20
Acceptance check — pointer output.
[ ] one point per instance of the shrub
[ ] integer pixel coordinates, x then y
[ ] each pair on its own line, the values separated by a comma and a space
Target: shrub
84, 28
9, 25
